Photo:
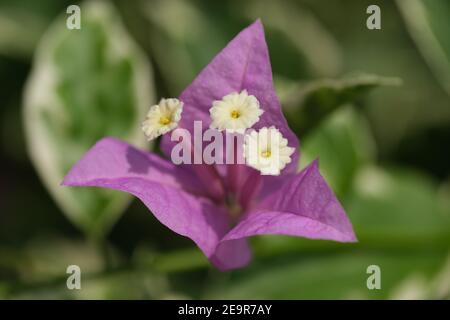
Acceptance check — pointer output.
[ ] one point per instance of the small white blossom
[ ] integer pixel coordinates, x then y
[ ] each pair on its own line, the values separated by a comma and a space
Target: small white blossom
235, 112
267, 150
162, 117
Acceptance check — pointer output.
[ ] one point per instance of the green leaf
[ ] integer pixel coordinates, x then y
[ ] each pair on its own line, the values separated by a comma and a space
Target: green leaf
398, 208
85, 84
428, 23
308, 104
342, 143
341, 276
390, 209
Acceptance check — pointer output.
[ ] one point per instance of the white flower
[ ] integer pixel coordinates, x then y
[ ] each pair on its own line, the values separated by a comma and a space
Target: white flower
162, 117
235, 112
267, 150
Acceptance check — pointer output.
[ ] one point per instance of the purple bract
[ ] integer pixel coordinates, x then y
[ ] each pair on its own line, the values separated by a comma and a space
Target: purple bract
220, 206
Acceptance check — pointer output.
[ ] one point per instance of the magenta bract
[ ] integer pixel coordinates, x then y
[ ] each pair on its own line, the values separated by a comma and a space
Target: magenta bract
219, 207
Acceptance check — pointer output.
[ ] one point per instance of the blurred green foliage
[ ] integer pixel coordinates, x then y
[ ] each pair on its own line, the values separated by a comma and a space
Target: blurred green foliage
428, 24
372, 105
343, 144
308, 103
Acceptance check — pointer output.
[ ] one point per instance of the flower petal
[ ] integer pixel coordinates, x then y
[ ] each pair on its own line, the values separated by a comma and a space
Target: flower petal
305, 206
243, 64
170, 193
111, 159
232, 254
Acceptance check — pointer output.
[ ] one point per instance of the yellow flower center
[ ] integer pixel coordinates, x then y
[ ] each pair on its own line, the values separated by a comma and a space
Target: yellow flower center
235, 114
266, 154
164, 120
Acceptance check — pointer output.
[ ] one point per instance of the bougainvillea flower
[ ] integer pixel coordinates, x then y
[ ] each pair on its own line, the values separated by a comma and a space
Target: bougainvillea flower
220, 206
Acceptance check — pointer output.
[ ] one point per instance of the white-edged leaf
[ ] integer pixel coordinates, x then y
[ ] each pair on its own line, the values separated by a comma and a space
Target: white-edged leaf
85, 84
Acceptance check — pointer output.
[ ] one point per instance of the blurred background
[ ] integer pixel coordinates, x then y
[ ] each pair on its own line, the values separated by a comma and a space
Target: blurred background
373, 105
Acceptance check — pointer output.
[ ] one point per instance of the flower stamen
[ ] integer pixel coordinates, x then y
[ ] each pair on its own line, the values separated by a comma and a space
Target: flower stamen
266, 154
235, 112
162, 117
267, 150
164, 120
